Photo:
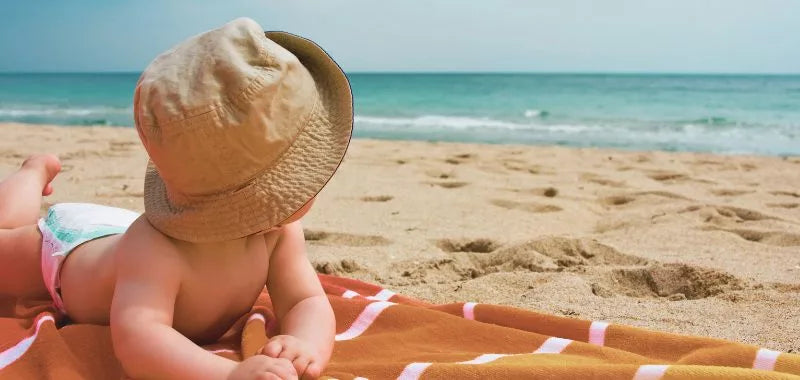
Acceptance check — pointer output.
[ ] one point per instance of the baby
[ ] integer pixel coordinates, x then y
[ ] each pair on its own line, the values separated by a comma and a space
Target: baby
243, 129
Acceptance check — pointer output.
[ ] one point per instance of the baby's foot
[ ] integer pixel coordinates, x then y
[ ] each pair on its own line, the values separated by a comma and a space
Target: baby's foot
48, 165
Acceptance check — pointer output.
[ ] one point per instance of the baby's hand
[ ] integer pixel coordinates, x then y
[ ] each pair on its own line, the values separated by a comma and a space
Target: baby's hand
260, 367
304, 358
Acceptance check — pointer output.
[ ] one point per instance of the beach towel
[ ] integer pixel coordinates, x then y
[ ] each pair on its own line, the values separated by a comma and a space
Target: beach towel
383, 335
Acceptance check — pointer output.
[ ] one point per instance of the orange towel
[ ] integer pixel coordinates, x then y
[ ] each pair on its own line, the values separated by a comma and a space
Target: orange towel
381, 335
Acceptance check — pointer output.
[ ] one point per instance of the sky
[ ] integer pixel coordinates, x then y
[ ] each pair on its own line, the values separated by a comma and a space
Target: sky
675, 36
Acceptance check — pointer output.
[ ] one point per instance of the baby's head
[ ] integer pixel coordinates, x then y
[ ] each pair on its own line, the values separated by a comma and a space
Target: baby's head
243, 129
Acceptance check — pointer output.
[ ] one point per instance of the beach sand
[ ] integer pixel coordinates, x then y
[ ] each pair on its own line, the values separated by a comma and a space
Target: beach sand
690, 243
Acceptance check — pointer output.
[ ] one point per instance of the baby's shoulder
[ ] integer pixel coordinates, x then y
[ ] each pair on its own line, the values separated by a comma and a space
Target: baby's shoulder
143, 246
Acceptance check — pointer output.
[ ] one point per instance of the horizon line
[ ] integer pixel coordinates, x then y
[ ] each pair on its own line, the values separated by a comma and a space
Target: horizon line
470, 72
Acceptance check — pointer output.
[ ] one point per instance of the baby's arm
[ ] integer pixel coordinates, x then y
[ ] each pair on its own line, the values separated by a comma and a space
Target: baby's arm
306, 317
148, 279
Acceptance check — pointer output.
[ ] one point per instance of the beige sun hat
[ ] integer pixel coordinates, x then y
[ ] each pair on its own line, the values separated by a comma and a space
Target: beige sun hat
242, 127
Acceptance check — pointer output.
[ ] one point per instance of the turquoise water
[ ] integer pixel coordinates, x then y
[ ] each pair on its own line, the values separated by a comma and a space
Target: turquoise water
713, 113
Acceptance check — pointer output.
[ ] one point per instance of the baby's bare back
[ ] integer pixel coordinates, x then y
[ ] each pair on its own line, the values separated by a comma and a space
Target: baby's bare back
218, 282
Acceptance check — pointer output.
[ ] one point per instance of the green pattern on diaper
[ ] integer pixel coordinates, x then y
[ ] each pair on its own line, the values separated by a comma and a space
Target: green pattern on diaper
69, 236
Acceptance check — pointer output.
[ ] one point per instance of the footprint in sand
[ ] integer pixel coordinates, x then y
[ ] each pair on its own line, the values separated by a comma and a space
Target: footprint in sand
440, 174
467, 245
792, 194
663, 176
549, 192
377, 198
343, 239
674, 177
448, 184
651, 196
783, 205
673, 281
776, 238
728, 214
523, 166
525, 206
461, 158
716, 165
594, 178
730, 192
618, 200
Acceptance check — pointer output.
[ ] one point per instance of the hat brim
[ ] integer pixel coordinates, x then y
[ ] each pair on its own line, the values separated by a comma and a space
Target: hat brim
272, 197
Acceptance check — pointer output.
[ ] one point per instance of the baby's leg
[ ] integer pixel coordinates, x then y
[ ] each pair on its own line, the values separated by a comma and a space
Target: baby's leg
21, 192
20, 262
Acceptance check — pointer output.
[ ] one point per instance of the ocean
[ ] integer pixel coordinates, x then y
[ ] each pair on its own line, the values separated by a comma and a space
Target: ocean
757, 114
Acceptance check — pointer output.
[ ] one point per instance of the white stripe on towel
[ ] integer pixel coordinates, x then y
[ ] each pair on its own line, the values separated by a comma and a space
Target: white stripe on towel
650, 372
364, 320
483, 359
383, 295
597, 333
553, 345
350, 294
13, 353
765, 359
469, 310
413, 371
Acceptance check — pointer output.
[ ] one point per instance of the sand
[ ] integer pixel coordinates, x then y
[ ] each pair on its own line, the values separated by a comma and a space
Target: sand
683, 242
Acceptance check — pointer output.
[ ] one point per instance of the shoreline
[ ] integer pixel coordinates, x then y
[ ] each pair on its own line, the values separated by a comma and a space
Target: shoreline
599, 149
694, 243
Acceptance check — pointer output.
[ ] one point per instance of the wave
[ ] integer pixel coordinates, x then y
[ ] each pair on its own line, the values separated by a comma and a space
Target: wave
466, 123
535, 121
531, 113
707, 135
456, 122
65, 115
40, 111
711, 120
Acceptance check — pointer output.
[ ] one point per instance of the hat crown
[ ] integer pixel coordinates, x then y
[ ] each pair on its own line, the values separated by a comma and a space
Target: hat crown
220, 108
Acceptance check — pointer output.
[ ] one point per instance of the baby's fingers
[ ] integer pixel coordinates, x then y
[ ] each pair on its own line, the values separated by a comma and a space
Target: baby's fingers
313, 371
300, 364
289, 352
284, 369
272, 349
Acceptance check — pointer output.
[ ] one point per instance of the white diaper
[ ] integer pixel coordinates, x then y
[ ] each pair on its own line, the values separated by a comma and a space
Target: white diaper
68, 225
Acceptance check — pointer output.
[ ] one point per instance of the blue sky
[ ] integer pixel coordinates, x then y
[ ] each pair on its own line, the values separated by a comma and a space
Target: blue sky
733, 36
